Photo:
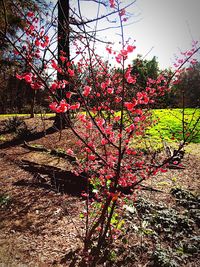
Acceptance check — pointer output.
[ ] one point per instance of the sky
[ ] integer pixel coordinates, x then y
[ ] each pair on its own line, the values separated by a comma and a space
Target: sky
161, 28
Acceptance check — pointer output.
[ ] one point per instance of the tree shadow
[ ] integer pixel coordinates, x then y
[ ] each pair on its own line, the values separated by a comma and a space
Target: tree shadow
54, 178
32, 137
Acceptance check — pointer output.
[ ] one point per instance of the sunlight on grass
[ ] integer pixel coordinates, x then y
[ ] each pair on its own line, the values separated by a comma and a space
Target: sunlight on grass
169, 124
2, 116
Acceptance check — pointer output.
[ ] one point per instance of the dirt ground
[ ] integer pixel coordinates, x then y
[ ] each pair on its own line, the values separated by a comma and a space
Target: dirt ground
39, 225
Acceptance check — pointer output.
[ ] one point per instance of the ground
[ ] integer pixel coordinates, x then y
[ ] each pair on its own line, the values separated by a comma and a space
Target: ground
41, 226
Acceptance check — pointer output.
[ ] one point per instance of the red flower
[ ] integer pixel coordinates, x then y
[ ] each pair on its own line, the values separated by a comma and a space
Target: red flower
63, 107
103, 85
28, 78
54, 65
110, 90
129, 105
104, 141
71, 72
136, 119
62, 58
130, 48
131, 79
122, 12
75, 106
54, 86
130, 128
70, 152
123, 52
118, 58
53, 106
109, 49
118, 99
91, 157
19, 77
87, 90
16, 52
37, 42
112, 3
30, 14
68, 95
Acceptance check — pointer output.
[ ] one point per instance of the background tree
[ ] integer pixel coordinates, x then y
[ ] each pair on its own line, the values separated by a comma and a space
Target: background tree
187, 92
15, 95
144, 69
63, 50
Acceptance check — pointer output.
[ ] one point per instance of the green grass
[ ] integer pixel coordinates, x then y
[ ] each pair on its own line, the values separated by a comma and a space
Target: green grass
2, 116
169, 125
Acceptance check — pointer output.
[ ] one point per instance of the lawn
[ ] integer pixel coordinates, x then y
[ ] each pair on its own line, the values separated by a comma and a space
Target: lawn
170, 124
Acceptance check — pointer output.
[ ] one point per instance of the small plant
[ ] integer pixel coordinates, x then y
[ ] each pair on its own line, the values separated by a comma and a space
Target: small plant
4, 200
162, 258
18, 126
12, 124
23, 131
185, 198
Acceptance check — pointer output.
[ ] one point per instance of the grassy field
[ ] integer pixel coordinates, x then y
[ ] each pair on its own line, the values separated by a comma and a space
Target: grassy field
170, 124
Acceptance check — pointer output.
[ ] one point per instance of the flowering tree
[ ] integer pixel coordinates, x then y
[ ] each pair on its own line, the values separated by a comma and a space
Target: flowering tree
106, 122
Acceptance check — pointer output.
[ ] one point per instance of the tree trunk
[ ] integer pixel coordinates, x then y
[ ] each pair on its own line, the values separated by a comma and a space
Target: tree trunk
63, 47
32, 103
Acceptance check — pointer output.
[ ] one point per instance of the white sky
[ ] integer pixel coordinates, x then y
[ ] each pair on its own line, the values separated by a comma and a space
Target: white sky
163, 26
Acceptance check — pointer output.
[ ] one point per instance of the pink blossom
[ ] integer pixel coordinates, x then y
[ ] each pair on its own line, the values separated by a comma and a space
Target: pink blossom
28, 77
71, 72
123, 52
62, 58
36, 85
16, 52
82, 118
118, 58
70, 152
112, 3
19, 77
87, 90
129, 105
117, 118
109, 49
68, 95
103, 85
37, 42
130, 48
139, 95
75, 106
91, 157
54, 86
100, 121
32, 28
30, 14
122, 12
54, 64
46, 41
63, 106
131, 79
118, 99
53, 106
136, 119
110, 90
104, 141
